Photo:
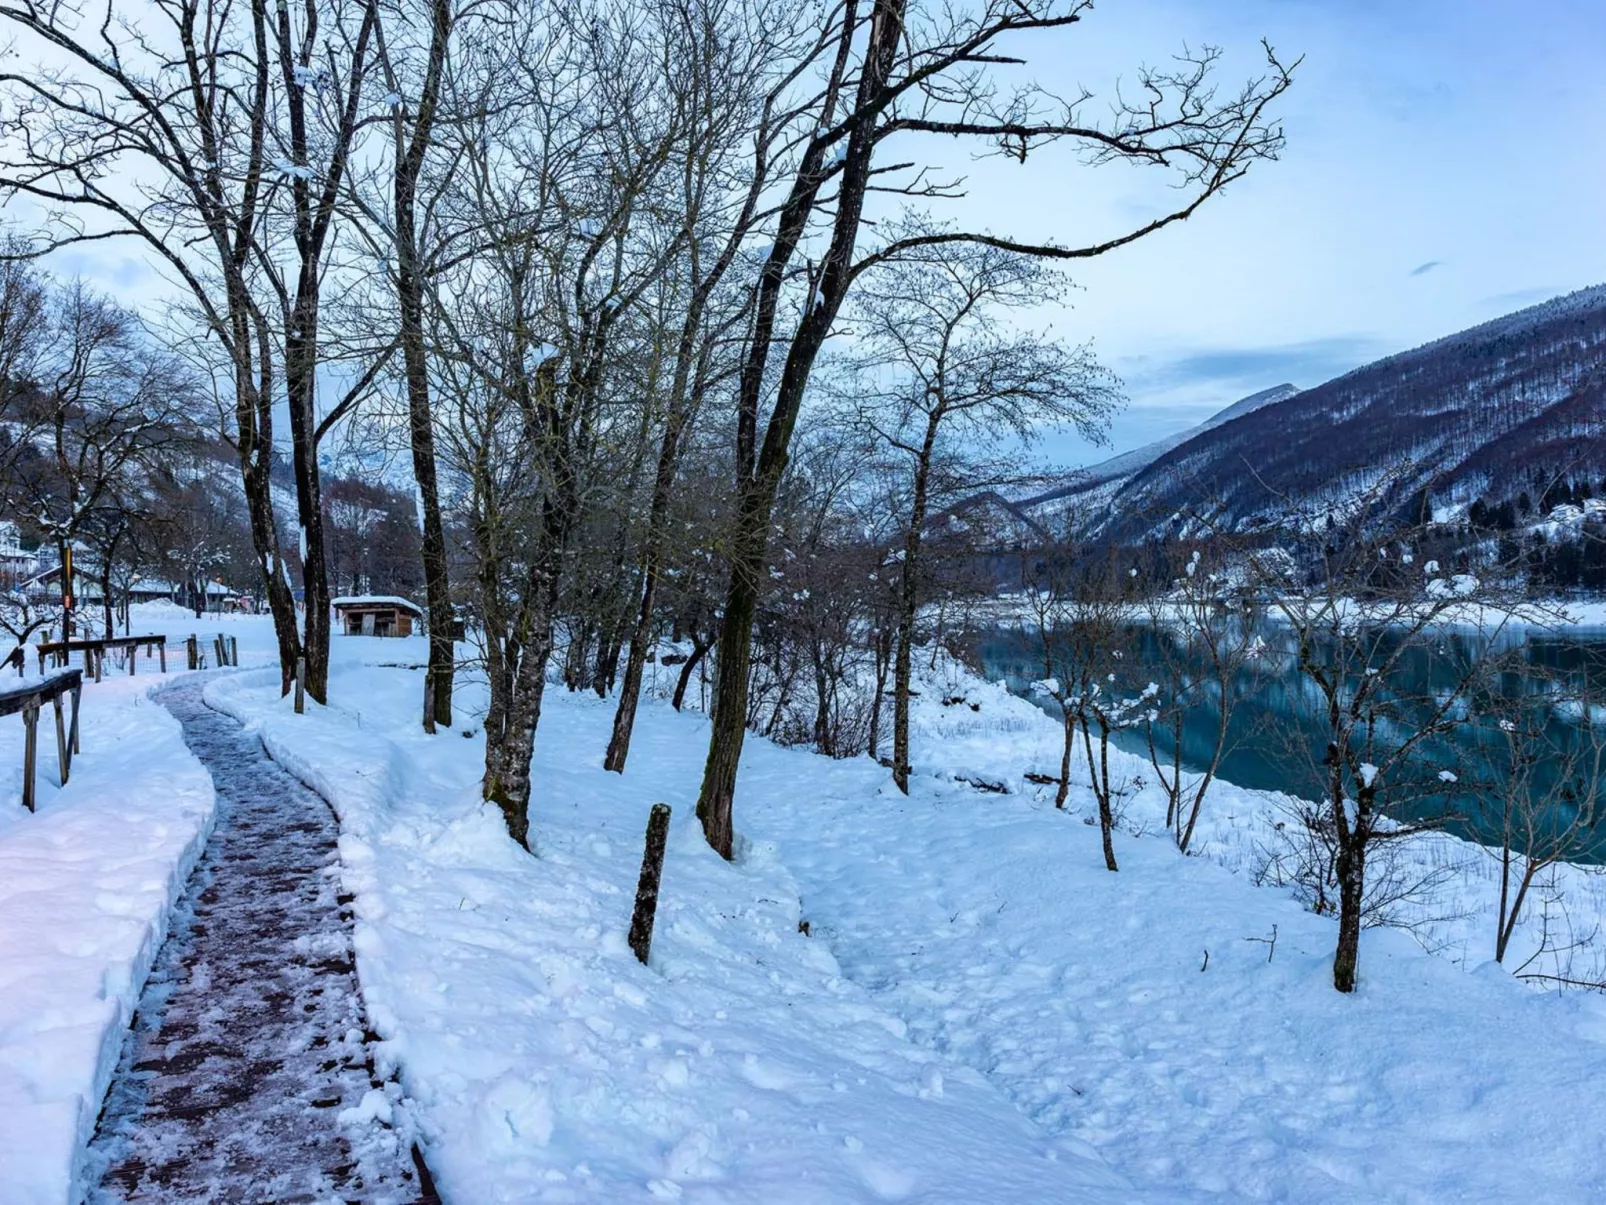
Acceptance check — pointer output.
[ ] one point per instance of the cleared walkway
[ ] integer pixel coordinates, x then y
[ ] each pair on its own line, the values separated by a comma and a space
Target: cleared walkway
246, 1076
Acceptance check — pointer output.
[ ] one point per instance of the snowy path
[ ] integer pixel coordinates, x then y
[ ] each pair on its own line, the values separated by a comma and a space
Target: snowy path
246, 1076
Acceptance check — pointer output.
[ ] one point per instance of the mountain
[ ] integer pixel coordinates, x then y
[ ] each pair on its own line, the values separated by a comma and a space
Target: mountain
1096, 484
1507, 410
1122, 468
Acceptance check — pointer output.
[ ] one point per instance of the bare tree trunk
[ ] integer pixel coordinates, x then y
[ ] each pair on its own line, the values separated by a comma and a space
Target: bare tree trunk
255, 455
1351, 876
301, 351
415, 363
729, 726
883, 658
1064, 789
699, 650
908, 602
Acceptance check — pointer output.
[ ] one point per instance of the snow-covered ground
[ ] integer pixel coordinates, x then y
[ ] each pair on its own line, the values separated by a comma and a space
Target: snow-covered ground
979, 1011
86, 887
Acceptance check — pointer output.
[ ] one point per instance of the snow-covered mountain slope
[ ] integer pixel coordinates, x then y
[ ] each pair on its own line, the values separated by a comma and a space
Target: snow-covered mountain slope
1127, 464
1486, 412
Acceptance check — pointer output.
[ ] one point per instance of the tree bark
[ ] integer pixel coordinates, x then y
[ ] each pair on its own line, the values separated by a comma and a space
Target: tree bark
908, 602
1351, 875
760, 469
415, 365
699, 650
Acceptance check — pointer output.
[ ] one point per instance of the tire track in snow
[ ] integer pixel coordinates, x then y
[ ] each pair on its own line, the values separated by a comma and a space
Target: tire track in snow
246, 1075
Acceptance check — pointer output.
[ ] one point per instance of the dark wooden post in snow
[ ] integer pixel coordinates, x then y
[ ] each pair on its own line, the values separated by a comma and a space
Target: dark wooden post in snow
429, 701
162, 650
652, 868
301, 685
63, 754
73, 744
30, 751
234, 650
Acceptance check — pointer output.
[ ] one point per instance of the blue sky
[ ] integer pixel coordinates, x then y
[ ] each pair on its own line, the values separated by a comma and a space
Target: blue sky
1446, 163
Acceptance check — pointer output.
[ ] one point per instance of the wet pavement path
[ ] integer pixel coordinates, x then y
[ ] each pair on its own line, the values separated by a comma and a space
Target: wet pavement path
246, 1076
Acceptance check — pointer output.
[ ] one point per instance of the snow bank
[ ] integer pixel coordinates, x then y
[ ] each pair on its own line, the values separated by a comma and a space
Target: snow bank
544, 1063
981, 1012
86, 886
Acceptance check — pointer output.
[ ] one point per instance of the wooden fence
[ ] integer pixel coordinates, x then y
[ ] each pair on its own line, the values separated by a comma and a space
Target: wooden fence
27, 698
94, 651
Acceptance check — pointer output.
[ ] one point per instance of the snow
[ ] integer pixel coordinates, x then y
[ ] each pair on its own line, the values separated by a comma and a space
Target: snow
546, 1064
373, 600
979, 1012
86, 885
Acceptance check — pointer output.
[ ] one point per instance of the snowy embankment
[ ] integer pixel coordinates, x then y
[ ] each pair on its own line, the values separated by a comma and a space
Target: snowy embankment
981, 1011
87, 884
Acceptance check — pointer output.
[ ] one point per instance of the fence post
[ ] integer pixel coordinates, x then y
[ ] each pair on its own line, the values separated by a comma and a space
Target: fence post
63, 756
30, 750
100, 661
234, 650
73, 744
301, 678
217, 652
652, 867
133, 658
162, 649
429, 701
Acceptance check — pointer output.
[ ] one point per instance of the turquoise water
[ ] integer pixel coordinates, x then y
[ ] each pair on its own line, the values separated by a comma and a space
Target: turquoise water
1276, 740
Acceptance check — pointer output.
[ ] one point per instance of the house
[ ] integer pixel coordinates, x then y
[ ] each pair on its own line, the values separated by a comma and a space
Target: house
376, 615
17, 564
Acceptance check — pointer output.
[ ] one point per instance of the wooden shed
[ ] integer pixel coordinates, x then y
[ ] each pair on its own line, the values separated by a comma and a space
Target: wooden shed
376, 615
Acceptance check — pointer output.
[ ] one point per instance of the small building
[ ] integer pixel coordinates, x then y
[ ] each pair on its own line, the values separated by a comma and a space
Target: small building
376, 615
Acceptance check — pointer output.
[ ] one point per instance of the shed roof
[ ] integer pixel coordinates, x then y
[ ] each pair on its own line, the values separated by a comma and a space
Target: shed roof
350, 601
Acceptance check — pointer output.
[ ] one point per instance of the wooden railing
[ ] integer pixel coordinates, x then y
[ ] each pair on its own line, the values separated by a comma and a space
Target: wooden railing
27, 698
94, 651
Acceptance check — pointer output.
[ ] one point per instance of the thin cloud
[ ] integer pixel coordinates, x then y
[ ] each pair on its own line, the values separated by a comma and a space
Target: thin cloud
1254, 368
1424, 269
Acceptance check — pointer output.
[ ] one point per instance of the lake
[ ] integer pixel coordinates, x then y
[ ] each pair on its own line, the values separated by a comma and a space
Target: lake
1276, 739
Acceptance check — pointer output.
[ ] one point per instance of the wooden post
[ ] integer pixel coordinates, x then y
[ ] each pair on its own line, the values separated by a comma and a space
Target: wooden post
301, 689
30, 750
192, 649
100, 661
63, 754
234, 650
429, 701
652, 867
133, 658
161, 648
73, 744
217, 652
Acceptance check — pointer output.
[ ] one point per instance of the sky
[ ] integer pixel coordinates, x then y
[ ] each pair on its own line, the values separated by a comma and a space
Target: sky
1444, 165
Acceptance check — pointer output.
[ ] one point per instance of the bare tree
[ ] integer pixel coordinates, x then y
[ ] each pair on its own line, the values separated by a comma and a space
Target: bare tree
227, 133
1361, 606
945, 386
105, 404
878, 71
1549, 771
1204, 626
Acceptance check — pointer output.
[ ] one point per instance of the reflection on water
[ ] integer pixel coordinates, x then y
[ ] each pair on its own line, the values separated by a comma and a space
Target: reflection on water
1276, 740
